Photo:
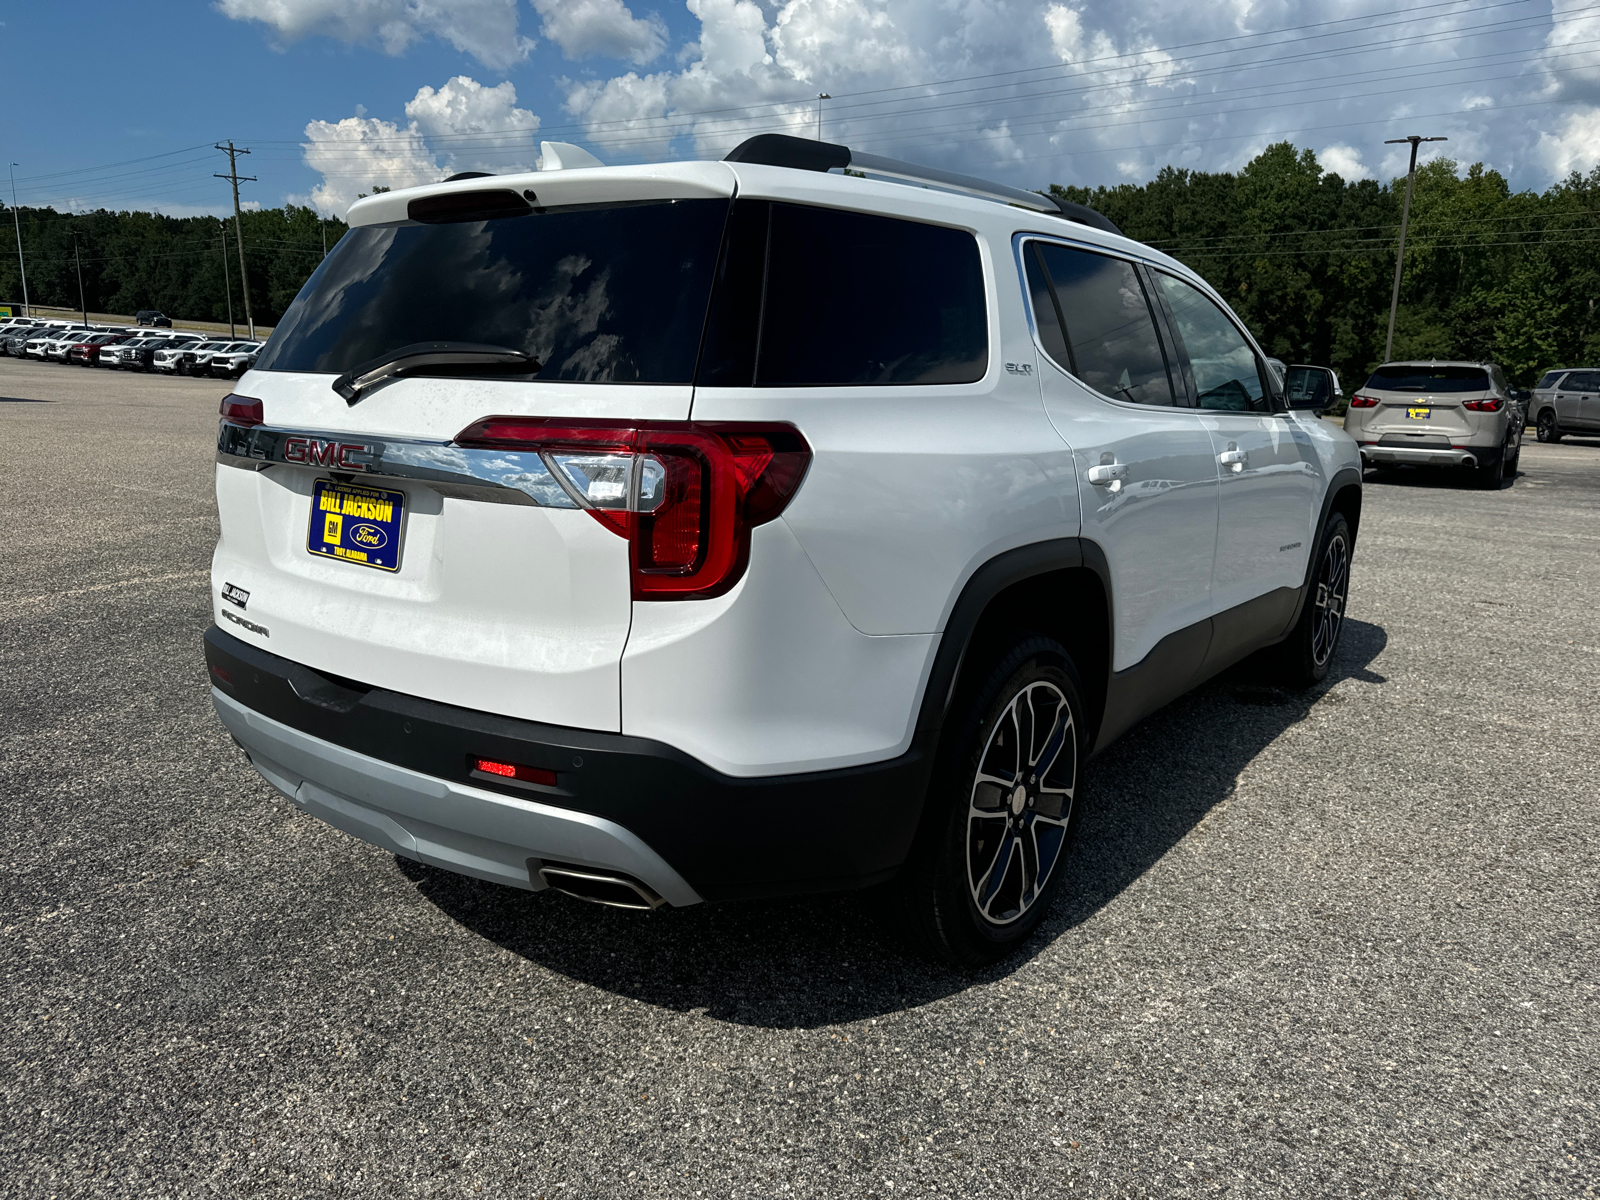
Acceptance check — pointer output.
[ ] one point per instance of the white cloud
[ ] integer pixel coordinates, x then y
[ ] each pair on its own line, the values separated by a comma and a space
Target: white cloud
1028, 91
1576, 147
359, 153
605, 27
1343, 161
471, 126
485, 29
479, 128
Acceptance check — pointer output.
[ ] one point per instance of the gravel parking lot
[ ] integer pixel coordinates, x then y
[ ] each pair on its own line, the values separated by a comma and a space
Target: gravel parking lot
1323, 945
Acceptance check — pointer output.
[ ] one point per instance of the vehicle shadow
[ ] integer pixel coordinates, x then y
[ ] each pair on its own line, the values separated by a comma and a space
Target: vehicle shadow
807, 962
23, 400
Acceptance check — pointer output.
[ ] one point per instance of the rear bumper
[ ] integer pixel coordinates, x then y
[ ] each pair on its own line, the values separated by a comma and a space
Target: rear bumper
395, 770
1418, 456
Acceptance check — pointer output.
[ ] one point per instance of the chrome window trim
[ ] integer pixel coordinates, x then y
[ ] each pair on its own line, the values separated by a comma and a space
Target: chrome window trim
460, 472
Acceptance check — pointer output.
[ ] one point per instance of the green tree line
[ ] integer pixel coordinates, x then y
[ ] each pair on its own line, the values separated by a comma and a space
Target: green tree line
1306, 258
134, 260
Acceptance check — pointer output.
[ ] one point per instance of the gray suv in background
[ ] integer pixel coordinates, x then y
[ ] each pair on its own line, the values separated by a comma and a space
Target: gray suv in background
1565, 401
1438, 414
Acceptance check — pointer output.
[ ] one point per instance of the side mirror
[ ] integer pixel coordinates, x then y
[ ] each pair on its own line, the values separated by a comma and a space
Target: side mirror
1311, 388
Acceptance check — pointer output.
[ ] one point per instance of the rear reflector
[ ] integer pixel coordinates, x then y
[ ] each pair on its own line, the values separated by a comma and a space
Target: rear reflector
220, 673
684, 494
517, 771
241, 411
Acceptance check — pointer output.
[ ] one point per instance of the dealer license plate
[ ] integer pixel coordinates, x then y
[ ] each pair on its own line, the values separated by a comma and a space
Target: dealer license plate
1419, 414
357, 524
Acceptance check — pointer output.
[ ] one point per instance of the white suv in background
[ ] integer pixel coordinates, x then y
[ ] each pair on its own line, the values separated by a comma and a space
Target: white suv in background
713, 530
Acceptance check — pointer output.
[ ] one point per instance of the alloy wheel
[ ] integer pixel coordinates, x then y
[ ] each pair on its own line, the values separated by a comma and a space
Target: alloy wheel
1021, 802
1333, 584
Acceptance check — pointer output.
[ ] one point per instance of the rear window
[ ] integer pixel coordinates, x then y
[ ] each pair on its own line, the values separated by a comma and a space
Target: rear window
819, 297
612, 294
1429, 379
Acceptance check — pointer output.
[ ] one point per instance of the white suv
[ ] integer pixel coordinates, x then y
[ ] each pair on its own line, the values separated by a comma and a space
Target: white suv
713, 530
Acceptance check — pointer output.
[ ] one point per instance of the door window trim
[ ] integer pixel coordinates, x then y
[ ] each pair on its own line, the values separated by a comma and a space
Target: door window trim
1020, 244
1264, 375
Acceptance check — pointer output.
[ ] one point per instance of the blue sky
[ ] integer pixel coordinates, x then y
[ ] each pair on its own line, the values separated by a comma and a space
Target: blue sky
334, 96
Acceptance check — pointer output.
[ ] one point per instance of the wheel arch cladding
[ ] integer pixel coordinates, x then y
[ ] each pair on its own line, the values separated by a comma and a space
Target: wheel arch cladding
1056, 588
1347, 500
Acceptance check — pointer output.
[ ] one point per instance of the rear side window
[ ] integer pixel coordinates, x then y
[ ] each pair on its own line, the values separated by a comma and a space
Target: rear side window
1104, 330
1549, 379
612, 294
819, 297
1401, 378
1227, 376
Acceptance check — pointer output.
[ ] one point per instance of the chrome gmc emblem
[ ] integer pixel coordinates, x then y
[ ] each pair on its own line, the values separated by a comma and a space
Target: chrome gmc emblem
314, 452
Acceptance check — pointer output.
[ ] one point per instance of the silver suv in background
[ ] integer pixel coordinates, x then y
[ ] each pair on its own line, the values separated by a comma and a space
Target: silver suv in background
1438, 414
1566, 401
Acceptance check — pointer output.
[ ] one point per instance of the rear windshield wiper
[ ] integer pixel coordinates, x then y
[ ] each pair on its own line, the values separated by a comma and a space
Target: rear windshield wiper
425, 358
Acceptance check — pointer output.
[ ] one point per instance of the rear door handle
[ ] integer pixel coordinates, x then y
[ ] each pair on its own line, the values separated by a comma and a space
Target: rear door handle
1106, 474
1234, 458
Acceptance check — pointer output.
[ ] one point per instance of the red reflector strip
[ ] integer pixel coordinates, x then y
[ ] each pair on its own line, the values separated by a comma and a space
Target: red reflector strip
517, 771
220, 673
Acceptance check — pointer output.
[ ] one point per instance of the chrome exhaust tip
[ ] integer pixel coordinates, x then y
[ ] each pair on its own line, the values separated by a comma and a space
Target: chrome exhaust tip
599, 886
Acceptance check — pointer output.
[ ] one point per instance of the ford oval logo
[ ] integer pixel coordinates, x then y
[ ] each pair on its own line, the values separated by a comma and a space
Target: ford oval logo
369, 535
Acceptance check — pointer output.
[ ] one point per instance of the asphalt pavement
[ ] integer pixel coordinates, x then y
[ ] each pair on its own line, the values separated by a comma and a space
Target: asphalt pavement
1334, 944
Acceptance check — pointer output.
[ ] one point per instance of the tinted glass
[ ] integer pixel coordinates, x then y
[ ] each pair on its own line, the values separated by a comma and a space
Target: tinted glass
1401, 378
611, 294
1226, 374
1305, 386
1110, 330
858, 299
1582, 381
1549, 379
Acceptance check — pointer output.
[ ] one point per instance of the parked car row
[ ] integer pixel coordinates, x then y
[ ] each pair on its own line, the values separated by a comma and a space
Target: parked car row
127, 348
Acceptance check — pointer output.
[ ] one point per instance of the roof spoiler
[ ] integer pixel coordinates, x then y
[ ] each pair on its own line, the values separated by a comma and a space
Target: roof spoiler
781, 150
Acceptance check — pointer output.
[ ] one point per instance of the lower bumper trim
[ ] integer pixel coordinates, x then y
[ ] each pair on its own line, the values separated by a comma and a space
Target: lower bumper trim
438, 821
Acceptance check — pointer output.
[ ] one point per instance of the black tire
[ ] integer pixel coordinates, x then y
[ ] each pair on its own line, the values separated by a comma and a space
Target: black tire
948, 899
1547, 430
1490, 478
1305, 656
1514, 452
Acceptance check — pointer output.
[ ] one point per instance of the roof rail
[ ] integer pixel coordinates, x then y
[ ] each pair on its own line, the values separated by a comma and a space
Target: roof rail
781, 150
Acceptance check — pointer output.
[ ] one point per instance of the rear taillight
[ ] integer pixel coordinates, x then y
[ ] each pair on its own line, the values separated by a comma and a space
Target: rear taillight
685, 495
1363, 402
241, 411
1492, 404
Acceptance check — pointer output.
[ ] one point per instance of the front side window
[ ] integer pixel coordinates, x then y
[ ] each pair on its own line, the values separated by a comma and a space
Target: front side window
1227, 376
612, 294
1095, 319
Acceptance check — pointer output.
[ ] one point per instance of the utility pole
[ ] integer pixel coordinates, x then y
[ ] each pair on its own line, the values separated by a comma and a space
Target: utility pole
227, 283
1405, 219
821, 96
78, 259
324, 223
17, 221
236, 179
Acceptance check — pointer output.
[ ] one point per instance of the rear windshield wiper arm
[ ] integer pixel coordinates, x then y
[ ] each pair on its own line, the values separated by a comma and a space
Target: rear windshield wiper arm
424, 358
